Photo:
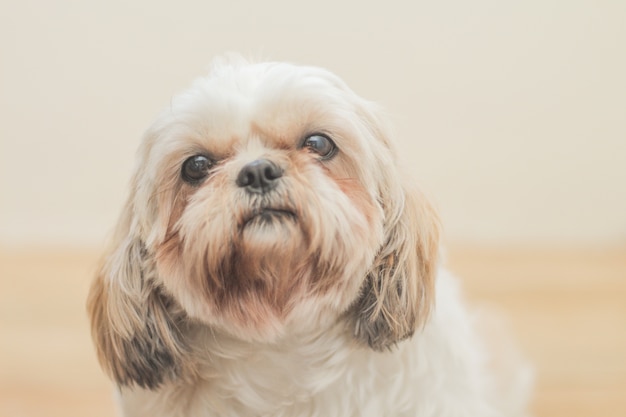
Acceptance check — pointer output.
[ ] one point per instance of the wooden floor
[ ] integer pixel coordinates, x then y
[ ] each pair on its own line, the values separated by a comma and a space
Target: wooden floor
567, 309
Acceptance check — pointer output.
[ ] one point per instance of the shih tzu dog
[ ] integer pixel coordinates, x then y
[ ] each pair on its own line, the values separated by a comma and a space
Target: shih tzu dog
272, 259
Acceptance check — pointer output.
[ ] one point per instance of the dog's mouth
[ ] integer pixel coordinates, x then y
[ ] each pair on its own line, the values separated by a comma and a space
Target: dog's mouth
268, 215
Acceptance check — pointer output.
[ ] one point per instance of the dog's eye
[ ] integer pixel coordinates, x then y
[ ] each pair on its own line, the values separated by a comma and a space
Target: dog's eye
321, 145
196, 168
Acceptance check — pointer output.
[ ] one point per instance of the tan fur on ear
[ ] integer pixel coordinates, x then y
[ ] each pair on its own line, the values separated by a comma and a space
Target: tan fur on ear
135, 327
398, 292
399, 289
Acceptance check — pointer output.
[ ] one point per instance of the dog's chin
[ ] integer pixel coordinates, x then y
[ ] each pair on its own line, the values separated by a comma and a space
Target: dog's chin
250, 281
271, 230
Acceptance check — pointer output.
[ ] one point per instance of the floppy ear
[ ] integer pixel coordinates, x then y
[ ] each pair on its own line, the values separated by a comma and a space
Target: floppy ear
135, 326
399, 289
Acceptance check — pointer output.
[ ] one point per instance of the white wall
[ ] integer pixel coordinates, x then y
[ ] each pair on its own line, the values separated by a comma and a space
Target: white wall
511, 113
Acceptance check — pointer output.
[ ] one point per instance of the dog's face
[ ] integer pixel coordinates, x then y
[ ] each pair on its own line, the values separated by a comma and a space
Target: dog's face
266, 200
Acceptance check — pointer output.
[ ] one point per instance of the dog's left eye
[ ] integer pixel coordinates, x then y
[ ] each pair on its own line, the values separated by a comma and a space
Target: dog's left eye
321, 145
195, 168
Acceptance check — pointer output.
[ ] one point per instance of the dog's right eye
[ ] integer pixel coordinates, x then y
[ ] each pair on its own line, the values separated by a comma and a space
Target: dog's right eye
196, 168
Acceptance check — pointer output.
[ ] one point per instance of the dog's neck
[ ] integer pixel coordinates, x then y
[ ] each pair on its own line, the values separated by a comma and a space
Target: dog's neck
294, 367
214, 348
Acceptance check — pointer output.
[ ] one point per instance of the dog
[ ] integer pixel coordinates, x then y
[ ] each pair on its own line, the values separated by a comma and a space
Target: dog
273, 259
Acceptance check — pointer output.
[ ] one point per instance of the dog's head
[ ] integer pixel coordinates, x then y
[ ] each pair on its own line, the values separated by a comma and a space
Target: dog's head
266, 200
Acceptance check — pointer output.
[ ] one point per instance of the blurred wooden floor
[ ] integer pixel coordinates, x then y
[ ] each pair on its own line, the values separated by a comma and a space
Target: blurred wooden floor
566, 307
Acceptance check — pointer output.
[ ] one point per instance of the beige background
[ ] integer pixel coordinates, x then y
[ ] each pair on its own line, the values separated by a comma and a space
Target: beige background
511, 114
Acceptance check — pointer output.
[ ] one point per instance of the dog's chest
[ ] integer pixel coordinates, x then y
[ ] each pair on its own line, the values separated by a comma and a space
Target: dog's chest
331, 380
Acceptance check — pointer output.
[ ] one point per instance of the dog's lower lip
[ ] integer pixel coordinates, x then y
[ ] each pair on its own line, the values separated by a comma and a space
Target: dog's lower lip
268, 213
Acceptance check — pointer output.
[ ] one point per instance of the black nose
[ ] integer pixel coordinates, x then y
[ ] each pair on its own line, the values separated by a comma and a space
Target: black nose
259, 176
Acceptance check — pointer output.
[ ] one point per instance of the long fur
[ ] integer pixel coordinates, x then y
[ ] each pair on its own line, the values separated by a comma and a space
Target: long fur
337, 307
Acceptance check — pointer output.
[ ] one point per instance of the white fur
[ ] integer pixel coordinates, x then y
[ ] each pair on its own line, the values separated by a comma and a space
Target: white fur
440, 372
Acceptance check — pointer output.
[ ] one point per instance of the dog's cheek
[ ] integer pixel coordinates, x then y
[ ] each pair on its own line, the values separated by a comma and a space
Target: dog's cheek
350, 232
168, 257
360, 198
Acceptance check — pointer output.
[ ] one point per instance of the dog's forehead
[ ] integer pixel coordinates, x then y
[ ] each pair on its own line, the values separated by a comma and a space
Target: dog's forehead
277, 104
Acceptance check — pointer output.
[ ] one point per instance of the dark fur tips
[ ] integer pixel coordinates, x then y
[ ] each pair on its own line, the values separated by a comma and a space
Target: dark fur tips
137, 329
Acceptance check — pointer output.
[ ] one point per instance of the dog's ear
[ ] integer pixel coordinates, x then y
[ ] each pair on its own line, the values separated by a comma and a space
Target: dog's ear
135, 326
399, 289
398, 292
